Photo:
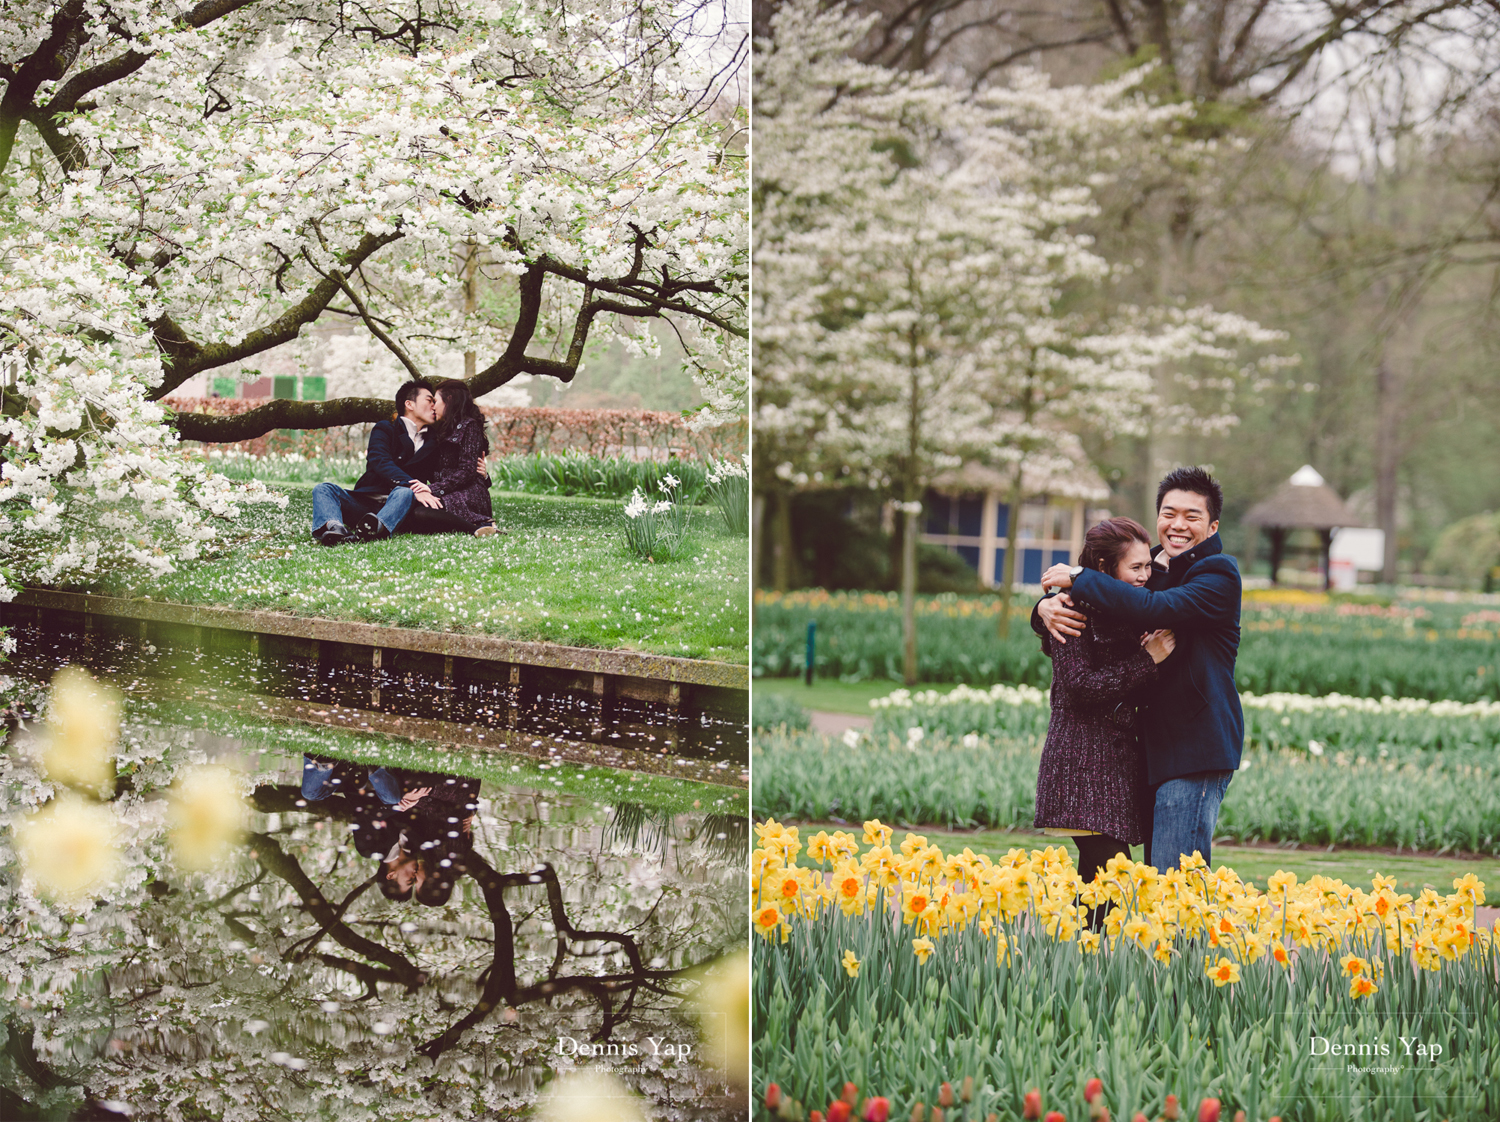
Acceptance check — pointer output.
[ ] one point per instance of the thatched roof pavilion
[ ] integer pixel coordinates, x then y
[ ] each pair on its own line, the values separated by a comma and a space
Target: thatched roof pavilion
1304, 502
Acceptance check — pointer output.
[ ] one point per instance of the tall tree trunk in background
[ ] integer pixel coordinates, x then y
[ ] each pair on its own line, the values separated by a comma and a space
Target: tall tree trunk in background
1146, 468
758, 539
911, 506
1388, 387
1017, 496
1008, 569
909, 516
781, 541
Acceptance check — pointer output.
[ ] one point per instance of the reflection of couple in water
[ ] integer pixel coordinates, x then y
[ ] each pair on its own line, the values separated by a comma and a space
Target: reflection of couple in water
418, 824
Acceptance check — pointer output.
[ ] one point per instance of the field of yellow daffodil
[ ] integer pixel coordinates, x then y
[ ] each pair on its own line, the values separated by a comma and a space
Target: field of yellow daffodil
900, 967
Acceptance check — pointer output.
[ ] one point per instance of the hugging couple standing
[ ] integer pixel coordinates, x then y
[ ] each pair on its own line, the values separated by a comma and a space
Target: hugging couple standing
1146, 729
424, 472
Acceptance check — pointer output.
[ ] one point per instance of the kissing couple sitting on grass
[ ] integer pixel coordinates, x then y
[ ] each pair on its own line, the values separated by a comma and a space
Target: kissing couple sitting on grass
424, 473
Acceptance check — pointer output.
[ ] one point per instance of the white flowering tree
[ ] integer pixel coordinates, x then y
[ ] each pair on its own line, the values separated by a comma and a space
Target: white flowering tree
183, 189
924, 295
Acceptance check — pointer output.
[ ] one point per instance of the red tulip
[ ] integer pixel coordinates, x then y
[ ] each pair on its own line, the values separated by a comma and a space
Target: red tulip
945, 1095
1091, 1088
1239, 1116
877, 1110
1171, 1112
840, 1111
1054, 1116
918, 1113
1139, 1117
1033, 1105
1208, 1110
815, 1116
937, 1114
773, 1096
850, 1095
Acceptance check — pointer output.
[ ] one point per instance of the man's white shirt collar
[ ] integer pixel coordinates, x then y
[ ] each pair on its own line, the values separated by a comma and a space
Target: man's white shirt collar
413, 430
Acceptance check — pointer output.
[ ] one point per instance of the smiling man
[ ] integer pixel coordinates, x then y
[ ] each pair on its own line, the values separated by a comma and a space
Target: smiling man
1192, 727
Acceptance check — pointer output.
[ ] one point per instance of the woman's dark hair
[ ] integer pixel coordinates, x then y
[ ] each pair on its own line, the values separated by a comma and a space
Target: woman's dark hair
1106, 543
458, 404
435, 891
1195, 481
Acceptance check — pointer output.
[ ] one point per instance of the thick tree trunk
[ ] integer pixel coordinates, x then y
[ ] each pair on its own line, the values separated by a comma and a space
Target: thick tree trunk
471, 302
281, 413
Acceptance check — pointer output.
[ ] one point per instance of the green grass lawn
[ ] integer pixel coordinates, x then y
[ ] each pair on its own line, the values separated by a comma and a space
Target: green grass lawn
829, 695
1252, 863
562, 574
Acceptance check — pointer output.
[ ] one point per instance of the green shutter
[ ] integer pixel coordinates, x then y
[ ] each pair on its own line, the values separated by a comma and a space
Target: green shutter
284, 387
314, 388
226, 387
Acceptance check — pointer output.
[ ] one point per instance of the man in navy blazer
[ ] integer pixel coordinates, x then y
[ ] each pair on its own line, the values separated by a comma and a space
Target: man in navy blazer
1192, 727
397, 464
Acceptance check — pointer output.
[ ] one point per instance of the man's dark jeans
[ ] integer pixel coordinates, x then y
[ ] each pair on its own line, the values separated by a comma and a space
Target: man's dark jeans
1183, 817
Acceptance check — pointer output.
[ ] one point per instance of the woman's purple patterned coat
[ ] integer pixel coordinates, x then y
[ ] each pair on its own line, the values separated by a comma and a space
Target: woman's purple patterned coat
1093, 776
465, 493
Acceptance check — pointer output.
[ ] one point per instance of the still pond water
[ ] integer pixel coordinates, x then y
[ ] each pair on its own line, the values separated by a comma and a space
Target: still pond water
406, 931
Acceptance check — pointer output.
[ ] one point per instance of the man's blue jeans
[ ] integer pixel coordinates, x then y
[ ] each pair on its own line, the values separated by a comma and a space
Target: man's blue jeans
1183, 820
331, 503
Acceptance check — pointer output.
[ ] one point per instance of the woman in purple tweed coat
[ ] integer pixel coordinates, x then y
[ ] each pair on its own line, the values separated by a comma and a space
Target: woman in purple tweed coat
465, 493
1092, 781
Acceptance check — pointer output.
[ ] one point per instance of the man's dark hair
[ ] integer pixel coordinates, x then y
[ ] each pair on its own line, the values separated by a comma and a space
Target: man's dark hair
408, 391
1198, 482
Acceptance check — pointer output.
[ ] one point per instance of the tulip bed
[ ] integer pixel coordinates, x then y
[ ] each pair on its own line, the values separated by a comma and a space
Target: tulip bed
1435, 801
1310, 724
907, 969
1293, 643
1329, 770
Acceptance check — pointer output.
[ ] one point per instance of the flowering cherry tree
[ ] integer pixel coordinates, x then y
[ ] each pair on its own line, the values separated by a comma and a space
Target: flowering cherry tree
183, 189
924, 293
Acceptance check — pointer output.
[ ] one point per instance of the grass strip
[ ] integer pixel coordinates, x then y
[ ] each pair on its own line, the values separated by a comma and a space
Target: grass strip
1437, 801
562, 574
503, 769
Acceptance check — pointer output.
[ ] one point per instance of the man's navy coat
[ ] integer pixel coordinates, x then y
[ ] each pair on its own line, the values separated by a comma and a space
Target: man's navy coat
391, 461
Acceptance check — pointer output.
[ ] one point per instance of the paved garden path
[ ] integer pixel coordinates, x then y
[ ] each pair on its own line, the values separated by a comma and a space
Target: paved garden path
833, 724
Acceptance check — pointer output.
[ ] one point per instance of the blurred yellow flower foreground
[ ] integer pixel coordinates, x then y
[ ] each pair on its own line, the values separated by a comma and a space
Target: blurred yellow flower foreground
207, 815
82, 724
723, 1007
70, 847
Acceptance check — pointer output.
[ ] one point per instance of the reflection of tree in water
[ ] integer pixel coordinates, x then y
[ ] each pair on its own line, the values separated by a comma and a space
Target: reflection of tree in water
635, 827
498, 981
282, 985
723, 837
